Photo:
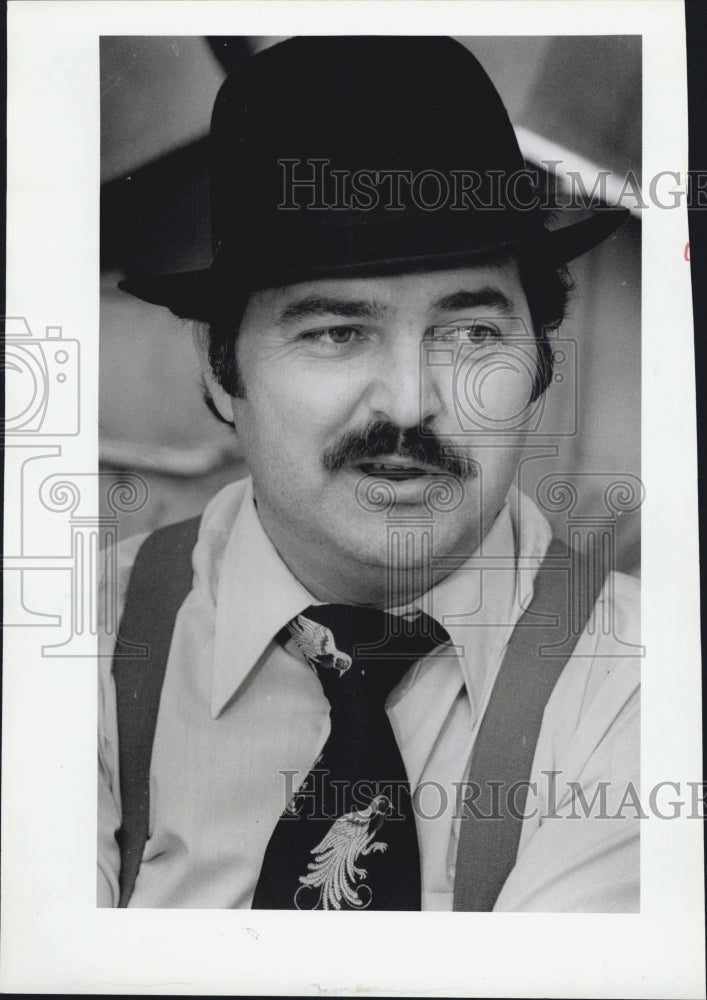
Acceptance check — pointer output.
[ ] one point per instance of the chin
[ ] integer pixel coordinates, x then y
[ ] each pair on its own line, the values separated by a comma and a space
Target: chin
407, 545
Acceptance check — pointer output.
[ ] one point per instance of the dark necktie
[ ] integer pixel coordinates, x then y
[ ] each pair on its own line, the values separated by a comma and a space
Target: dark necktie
347, 840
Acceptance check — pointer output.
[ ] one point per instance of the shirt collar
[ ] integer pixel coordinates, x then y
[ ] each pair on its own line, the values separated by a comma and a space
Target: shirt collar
256, 596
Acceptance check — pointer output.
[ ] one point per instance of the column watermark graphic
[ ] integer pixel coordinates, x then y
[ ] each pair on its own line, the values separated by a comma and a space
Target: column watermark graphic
591, 542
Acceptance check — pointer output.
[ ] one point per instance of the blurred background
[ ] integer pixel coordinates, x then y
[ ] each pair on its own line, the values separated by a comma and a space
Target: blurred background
572, 99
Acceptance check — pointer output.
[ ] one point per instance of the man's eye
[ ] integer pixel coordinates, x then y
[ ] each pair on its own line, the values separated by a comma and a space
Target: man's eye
334, 335
477, 332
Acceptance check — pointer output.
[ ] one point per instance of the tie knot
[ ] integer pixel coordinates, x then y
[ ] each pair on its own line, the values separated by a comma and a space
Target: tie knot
359, 651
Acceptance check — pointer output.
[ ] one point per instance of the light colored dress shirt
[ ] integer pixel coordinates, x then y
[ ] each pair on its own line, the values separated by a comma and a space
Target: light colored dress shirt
238, 713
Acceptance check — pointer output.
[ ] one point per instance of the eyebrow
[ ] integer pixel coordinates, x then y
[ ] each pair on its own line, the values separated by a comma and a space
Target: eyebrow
311, 306
324, 305
486, 297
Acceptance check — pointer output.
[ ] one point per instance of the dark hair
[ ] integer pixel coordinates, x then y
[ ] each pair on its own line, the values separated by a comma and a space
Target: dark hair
546, 286
223, 333
547, 292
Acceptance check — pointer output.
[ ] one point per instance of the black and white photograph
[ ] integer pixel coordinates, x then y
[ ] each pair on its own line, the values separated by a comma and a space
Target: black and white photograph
350, 498
433, 428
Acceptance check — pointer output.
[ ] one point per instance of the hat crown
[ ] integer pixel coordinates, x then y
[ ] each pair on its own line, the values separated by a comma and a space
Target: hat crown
368, 103
366, 95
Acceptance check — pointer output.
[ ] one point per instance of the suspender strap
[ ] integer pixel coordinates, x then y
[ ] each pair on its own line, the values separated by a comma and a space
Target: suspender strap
160, 581
502, 759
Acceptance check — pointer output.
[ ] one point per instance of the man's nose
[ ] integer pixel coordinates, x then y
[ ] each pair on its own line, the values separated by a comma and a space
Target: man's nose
402, 389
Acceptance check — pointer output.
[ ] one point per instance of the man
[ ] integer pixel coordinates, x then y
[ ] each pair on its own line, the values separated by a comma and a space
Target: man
373, 697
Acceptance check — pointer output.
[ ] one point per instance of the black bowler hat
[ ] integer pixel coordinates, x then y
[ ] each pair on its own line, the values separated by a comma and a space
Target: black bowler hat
350, 156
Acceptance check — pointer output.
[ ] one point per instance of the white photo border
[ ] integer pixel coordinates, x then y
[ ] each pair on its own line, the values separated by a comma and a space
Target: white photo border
54, 937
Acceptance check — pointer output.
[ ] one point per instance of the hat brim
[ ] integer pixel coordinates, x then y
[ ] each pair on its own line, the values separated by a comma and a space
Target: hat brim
192, 294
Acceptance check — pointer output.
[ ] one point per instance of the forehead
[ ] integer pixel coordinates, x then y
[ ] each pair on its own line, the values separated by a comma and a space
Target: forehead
419, 292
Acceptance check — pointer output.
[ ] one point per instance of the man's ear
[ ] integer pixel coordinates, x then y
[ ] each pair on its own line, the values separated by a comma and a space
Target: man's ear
219, 397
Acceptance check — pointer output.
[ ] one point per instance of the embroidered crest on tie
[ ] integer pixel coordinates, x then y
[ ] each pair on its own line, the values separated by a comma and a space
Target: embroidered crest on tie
355, 802
334, 872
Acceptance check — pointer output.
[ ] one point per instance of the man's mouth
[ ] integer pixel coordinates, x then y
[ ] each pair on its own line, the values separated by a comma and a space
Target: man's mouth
396, 470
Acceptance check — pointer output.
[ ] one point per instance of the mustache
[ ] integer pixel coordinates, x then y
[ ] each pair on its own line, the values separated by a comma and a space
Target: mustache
380, 439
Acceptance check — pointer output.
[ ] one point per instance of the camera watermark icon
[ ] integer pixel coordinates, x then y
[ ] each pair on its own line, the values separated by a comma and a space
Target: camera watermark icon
42, 381
491, 370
